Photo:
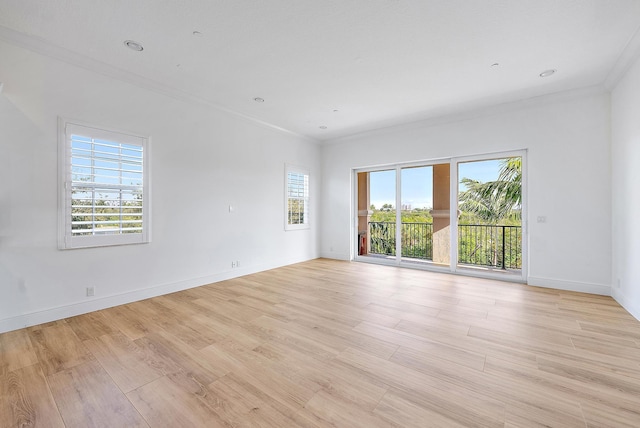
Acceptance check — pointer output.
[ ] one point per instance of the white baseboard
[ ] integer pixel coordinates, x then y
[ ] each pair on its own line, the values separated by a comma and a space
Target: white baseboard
335, 256
631, 307
66, 311
581, 287
61, 312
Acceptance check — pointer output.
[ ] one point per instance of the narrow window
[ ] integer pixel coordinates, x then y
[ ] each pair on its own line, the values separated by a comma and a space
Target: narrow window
297, 198
104, 187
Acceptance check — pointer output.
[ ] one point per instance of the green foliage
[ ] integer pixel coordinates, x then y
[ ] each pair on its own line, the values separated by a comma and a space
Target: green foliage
417, 235
489, 232
296, 211
494, 201
490, 245
417, 215
382, 238
417, 239
105, 214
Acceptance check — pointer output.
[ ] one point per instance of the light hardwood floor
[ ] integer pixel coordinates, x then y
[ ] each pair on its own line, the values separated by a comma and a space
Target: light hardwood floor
328, 343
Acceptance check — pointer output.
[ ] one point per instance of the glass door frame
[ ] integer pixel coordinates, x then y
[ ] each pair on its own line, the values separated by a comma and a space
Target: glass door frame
355, 212
399, 260
454, 202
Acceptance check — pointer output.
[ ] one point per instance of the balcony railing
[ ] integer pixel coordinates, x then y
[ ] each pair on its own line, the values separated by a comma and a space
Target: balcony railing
490, 245
417, 239
478, 244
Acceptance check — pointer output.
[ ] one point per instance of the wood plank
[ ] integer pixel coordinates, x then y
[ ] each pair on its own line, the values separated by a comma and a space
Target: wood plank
429, 348
178, 356
328, 343
26, 401
279, 399
271, 332
406, 414
280, 387
335, 339
238, 407
339, 413
599, 415
134, 324
534, 333
86, 396
631, 352
164, 403
525, 416
58, 348
89, 326
402, 311
539, 345
129, 365
479, 346
533, 387
16, 351
454, 392
427, 326
623, 333
333, 378
595, 377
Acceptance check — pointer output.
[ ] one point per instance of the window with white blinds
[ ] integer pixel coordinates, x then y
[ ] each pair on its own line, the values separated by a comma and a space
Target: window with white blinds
297, 198
105, 186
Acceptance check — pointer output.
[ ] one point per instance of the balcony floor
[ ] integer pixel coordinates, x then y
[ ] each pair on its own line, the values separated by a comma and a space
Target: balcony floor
462, 268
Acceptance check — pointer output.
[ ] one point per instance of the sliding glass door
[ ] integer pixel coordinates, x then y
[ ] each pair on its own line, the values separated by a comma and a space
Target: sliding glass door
490, 223
459, 215
403, 215
377, 214
416, 201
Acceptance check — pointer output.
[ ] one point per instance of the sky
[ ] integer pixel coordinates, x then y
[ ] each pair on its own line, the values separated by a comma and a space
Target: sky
417, 183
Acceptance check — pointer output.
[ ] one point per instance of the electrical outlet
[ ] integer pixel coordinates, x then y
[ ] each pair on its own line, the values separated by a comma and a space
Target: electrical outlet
91, 291
618, 283
235, 264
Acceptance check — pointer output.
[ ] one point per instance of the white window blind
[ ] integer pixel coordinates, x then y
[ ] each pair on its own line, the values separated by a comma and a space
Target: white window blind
105, 188
297, 198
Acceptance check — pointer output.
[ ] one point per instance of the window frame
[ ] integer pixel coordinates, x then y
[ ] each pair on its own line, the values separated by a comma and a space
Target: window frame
307, 198
66, 240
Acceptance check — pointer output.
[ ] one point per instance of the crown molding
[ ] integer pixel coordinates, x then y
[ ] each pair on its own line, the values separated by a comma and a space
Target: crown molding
43, 47
627, 58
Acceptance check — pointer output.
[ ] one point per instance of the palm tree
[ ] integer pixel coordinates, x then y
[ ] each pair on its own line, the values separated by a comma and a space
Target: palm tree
493, 201
509, 181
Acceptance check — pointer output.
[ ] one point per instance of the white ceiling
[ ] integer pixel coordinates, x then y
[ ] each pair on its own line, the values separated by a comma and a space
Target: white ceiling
377, 62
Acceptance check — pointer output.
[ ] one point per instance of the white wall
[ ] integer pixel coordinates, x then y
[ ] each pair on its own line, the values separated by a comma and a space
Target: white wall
568, 140
625, 124
202, 160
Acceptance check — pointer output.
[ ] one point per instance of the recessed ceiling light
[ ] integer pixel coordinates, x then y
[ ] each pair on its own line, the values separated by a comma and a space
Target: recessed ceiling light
495, 64
547, 73
134, 45
335, 110
258, 100
197, 33
322, 127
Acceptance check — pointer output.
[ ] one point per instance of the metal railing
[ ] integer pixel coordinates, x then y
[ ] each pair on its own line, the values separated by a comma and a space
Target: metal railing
490, 245
417, 239
478, 244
